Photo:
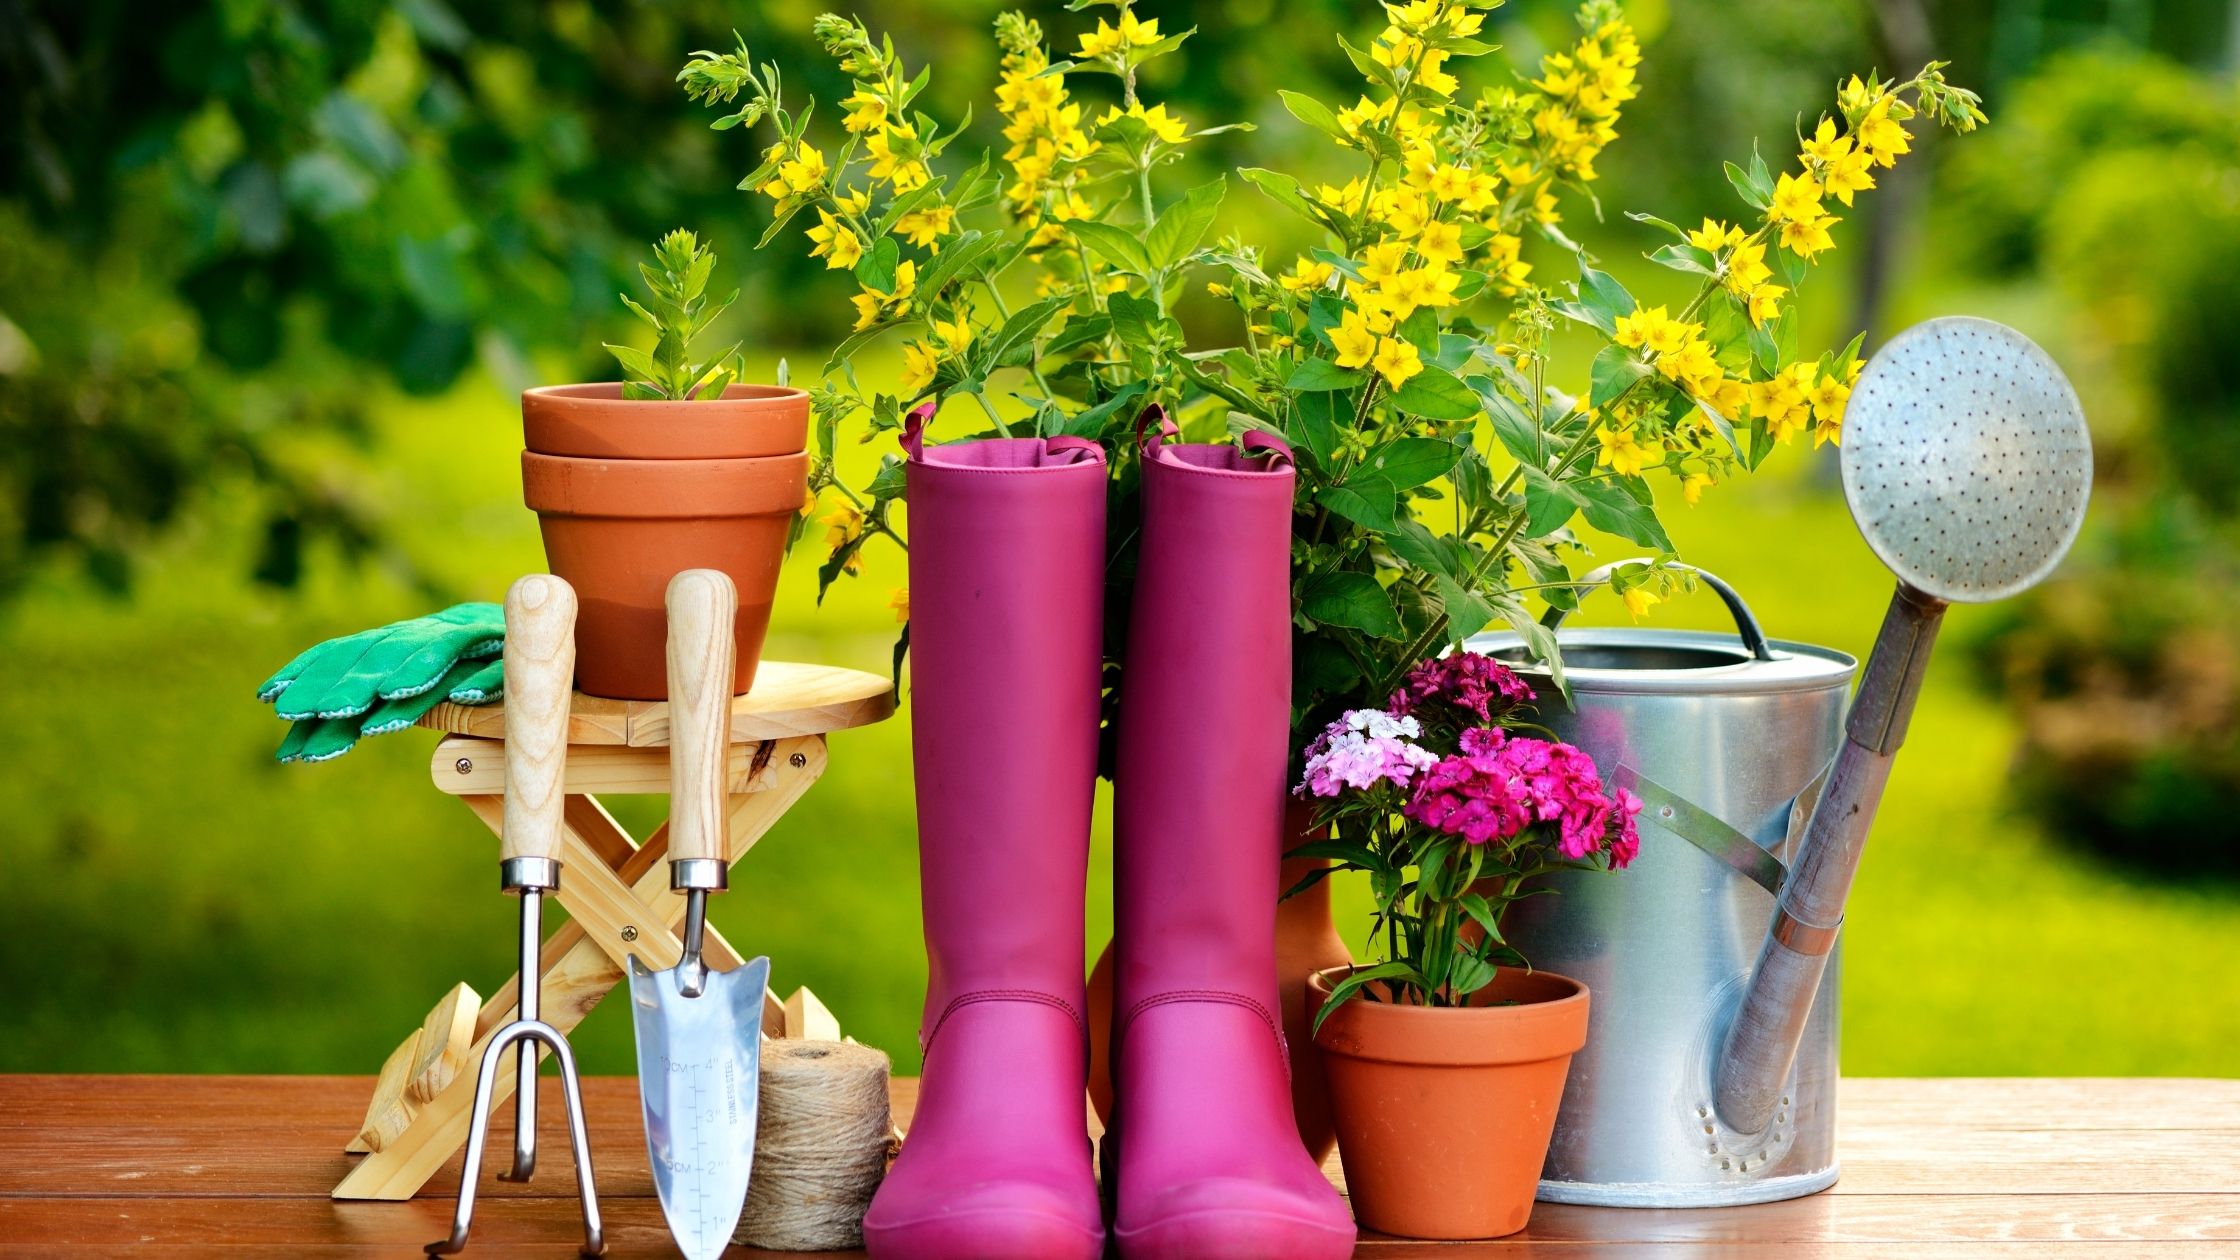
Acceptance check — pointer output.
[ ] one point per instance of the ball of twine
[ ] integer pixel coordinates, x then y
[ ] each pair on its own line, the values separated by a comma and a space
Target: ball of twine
821, 1146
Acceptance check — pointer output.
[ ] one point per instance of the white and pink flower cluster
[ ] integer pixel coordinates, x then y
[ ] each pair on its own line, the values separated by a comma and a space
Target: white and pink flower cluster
1492, 785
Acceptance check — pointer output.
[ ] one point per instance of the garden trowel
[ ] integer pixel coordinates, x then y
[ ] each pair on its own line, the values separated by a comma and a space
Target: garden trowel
699, 1031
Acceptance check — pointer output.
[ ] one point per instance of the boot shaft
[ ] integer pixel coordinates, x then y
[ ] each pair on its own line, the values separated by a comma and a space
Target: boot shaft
1204, 719
1006, 614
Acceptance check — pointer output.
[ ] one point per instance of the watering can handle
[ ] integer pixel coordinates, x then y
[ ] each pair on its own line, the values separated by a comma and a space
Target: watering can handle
1745, 624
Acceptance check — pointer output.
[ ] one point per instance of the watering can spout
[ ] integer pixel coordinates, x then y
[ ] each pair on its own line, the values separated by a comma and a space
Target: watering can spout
1761, 1043
1967, 466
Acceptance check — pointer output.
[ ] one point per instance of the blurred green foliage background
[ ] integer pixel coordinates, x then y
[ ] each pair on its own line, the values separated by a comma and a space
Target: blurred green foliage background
271, 274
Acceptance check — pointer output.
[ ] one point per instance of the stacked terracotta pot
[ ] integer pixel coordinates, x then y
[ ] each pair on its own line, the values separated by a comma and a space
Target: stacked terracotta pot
630, 493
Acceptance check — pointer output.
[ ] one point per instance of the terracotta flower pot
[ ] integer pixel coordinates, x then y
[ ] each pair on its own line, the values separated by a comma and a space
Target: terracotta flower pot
718, 491
1306, 941
1444, 1114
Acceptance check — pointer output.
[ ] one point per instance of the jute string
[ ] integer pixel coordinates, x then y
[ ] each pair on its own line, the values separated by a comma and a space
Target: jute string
821, 1146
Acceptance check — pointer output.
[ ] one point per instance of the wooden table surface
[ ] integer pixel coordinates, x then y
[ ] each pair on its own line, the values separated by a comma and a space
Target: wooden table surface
240, 1166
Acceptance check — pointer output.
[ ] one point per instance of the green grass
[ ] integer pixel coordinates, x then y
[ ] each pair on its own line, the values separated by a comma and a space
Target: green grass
176, 902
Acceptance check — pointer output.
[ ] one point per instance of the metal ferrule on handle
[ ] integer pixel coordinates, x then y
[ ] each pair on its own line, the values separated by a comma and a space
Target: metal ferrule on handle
1761, 1043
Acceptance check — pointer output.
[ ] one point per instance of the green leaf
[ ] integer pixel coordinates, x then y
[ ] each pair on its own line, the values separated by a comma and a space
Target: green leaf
1135, 320
1621, 506
1435, 393
1182, 225
1352, 600
1118, 246
1418, 547
1615, 371
1078, 330
1285, 191
1603, 297
1366, 499
1654, 221
1467, 613
1354, 851
1685, 258
1315, 114
954, 257
876, 269
1017, 331
1090, 423
1316, 419
1548, 503
1347, 987
1511, 426
1315, 375
1410, 461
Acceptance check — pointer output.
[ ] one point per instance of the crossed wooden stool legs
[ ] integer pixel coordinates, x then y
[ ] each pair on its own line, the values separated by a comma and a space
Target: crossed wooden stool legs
617, 895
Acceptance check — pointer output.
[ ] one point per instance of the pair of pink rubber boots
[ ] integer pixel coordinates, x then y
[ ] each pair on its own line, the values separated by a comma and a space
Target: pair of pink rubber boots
1007, 580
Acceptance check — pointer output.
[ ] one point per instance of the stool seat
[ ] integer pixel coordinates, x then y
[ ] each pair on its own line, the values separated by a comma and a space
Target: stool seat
788, 699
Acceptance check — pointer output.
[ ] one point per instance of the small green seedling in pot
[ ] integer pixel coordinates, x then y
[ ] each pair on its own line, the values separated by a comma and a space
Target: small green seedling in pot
679, 310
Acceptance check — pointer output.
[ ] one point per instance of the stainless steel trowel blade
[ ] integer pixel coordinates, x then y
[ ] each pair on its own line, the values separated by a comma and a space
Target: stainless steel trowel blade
699, 1061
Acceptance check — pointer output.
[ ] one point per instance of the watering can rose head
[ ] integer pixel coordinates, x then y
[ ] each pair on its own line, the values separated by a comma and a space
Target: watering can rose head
1441, 783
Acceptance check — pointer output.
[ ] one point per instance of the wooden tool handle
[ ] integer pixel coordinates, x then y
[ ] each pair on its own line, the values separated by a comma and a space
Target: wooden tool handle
702, 607
540, 667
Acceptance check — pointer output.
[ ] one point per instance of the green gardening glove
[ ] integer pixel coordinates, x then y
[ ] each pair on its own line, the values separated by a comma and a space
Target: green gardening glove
324, 739
346, 677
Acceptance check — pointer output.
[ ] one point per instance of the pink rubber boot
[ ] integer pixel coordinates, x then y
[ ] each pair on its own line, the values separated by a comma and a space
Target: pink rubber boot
1006, 611
1208, 1158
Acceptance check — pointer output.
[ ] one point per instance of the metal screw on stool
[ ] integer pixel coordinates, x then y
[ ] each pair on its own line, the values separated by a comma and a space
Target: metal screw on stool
797, 761
629, 932
463, 766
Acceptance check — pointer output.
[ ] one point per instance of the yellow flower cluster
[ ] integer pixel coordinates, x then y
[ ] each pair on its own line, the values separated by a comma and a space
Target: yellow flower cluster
1836, 164
1802, 394
1585, 89
1045, 132
1109, 42
879, 308
922, 359
800, 174
1743, 269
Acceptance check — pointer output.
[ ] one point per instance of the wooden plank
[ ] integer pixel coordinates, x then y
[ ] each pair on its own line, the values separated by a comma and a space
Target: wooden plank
194, 1166
445, 1037
789, 699
392, 1109
465, 766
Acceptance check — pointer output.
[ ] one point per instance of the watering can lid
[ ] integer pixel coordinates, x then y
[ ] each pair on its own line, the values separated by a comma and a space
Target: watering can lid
1628, 660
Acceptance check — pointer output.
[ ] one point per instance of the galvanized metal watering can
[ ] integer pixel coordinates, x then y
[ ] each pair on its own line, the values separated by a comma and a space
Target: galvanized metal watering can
1711, 1063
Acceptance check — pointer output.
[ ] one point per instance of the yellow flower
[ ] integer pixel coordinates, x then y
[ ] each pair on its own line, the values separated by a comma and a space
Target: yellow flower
1714, 236
1164, 126
954, 334
1765, 303
1307, 274
1826, 146
1448, 182
1383, 260
1881, 136
1431, 285
873, 307
905, 280
1807, 237
1639, 599
804, 174
1504, 267
1354, 340
1693, 485
1624, 454
900, 602
1396, 361
836, 242
1746, 267
865, 111
1828, 397
1137, 34
1101, 42
808, 502
846, 525
924, 227
1441, 243
1796, 198
900, 167
853, 203
919, 361
1849, 174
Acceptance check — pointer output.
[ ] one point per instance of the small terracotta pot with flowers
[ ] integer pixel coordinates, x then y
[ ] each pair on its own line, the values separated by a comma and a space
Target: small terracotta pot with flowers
679, 466
1446, 1055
